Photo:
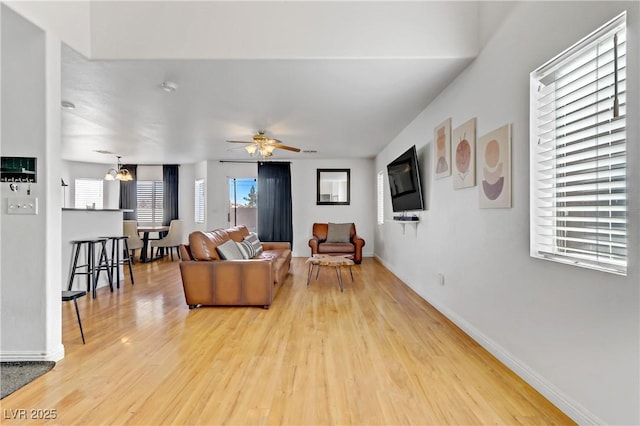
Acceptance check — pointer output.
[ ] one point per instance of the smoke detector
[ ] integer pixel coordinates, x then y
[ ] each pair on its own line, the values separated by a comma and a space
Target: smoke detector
168, 86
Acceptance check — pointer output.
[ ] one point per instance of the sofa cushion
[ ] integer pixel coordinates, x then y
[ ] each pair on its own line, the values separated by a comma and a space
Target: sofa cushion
238, 233
339, 233
203, 244
253, 239
336, 248
229, 251
247, 249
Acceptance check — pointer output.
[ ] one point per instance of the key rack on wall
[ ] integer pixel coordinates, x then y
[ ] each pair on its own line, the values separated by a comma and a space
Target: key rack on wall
18, 169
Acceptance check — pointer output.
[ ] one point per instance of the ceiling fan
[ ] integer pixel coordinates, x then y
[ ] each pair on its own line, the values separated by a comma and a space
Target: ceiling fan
264, 146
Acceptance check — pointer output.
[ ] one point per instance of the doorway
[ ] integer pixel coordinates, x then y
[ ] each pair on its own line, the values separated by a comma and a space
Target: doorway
243, 203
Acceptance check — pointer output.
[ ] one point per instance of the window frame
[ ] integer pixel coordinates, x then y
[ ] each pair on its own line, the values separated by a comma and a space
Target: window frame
200, 201
578, 153
97, 198
156, 185
380, 197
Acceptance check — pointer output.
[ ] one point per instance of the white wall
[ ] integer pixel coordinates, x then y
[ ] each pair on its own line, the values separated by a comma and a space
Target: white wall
570, 332
30, 292
70, 20
303, 193
361, 211
72, 170
358, 29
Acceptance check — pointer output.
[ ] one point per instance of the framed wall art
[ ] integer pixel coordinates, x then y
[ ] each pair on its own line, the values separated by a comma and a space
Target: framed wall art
463, 150
494, 166
442, 149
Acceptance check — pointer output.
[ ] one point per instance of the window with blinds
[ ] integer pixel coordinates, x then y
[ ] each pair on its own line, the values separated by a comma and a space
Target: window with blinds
380, 191
578, 153
150, 201
199, 201
88, 193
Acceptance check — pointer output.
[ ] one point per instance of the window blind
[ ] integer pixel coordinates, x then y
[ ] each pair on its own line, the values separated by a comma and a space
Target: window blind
150, 201
88, 192
199, 201
380, 189
578, 153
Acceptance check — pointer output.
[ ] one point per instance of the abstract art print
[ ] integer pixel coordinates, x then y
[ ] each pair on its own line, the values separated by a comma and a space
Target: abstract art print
442, 149
494, 166
463, 149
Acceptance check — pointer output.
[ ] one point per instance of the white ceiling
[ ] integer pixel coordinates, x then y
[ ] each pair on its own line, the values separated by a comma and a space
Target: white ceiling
342, 102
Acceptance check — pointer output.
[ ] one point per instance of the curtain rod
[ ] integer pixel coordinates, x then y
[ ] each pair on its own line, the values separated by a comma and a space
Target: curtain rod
249, 161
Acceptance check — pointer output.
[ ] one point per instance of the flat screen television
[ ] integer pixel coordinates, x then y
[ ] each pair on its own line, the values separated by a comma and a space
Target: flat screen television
404, 182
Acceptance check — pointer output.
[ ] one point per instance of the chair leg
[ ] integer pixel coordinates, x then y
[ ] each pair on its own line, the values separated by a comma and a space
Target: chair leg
75, 302
127, 260
73, 267
171, 251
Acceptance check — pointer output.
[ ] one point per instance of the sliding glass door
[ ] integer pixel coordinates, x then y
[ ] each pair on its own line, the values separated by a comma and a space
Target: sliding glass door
243, 203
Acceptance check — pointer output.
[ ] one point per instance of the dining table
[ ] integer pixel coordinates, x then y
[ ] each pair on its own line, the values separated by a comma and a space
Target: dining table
145, 230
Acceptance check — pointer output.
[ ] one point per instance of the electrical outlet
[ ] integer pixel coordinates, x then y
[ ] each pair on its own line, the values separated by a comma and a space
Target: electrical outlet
441, 279
22, 205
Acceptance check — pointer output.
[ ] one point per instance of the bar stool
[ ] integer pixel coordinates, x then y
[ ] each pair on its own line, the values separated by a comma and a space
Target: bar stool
74, 295
92, 270
120, 257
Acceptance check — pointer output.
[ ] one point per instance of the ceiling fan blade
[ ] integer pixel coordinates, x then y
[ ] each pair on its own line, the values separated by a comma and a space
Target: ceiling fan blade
288, 148
240, 142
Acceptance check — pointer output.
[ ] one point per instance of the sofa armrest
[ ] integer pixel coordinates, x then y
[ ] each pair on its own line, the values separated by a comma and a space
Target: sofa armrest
358, 242
276, 245
313, 243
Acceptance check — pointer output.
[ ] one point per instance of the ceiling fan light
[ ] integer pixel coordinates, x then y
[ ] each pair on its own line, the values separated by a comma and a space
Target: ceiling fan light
251, 149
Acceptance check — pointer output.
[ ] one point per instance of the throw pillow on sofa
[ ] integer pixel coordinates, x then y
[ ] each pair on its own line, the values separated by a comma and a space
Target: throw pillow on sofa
229, 251
247, 249
339, 233
253, 239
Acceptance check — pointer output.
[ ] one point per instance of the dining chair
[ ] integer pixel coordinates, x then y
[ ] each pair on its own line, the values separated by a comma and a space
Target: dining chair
172, 240
130, 230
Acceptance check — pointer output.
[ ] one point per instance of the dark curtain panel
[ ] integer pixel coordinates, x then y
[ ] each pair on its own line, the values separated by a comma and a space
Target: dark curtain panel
129, 193
274, 202
170, 194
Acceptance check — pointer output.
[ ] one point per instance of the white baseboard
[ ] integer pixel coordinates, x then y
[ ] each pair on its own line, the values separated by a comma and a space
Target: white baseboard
13, 356
566, 404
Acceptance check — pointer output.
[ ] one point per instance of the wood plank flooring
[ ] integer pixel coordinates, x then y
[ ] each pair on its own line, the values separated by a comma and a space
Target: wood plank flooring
376, 354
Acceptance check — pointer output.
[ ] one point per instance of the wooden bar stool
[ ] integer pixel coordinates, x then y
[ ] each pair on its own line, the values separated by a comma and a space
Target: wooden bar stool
74, 295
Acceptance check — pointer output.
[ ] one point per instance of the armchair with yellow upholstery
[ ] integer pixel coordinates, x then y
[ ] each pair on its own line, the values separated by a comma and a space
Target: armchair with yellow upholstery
336, 239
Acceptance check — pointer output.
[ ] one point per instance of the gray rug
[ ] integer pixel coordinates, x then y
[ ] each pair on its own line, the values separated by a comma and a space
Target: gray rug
14, 375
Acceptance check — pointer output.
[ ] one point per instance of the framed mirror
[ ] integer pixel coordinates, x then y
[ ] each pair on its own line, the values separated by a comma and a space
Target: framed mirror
333, 187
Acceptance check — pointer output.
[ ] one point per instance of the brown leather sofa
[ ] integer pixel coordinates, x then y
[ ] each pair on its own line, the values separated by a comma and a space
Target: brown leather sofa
210, 281
320, 245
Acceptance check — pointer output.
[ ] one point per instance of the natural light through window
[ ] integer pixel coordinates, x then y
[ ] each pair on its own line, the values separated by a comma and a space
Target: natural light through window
199, 201
380, 187
88, 193
150, 201
579, 154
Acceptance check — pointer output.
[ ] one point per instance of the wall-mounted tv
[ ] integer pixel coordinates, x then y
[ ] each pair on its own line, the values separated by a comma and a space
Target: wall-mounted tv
404, 182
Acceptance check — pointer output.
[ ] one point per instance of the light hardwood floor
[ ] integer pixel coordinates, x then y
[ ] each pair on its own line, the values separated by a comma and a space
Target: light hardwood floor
375, 354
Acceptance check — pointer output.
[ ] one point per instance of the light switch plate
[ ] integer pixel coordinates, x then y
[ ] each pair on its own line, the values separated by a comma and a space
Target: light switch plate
22, 205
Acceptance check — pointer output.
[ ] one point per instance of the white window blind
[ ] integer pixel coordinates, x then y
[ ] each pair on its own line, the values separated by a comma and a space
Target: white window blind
199, 201
150, 201
578, 153
88, 192
380, 189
